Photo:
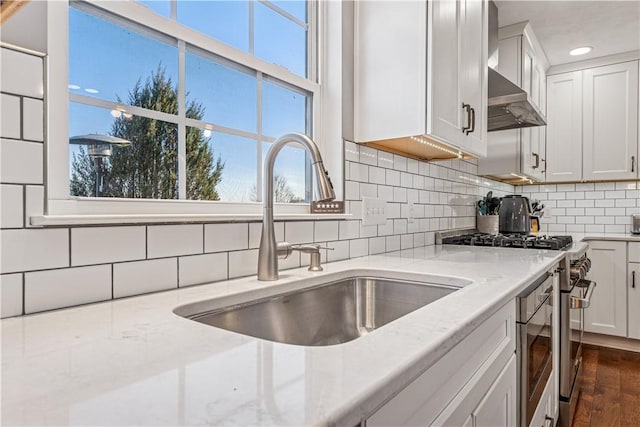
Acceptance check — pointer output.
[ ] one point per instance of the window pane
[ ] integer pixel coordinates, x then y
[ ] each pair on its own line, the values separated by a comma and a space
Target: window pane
227, 21
226, 96
280, 40
161, 7
107, 61
147, 168
220, 166
283, 110
294, 7
289, 173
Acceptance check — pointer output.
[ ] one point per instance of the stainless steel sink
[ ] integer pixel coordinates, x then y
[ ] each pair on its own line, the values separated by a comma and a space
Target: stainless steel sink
328, 314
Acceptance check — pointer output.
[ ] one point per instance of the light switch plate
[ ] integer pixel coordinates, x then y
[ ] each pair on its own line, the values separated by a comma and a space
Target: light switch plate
374, 211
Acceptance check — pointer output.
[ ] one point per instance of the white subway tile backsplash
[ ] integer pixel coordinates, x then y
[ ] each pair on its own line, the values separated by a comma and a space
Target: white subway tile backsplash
243, 263
406, 241
585, 203
11, 206
605, 186
393, 177
174, 240
359, 172
618, 194
406, 180
565, 187
626, 203
562, 203
33, 119
392, 243
368, 156
376, 175
377, 245
298, 232
340, 250
585, 187
597, 228
34, 202
604, 203
10, 295
385, 159
33, 249
98, 245
368, 190
141, 277
576, 195
52, 289
351, 151
10, 117
399, 163
21, 74
198, 269
400, 194
614, 211
351, 190
349, 230
413, 166
605, 220
625, 186
255, 232
358, 248
21, 162
325, 231
226, 237
614, 229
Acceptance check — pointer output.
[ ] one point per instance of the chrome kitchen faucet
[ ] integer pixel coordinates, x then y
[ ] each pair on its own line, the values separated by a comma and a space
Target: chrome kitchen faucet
269, 250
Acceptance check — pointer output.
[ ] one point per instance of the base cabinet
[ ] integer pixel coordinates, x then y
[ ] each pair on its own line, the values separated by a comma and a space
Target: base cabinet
486, 404
607, 313
634, 300
474, 384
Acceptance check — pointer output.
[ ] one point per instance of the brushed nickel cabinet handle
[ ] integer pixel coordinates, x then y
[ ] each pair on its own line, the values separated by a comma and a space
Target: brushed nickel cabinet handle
537, 156
468, 108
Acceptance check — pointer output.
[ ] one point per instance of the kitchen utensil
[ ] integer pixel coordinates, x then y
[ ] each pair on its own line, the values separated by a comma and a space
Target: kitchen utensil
482, 207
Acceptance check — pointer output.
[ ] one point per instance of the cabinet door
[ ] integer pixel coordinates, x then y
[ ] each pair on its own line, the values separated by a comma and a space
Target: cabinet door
445, 115
634, 301
607, 313
498, 408
564, 127
610, 127
474, 73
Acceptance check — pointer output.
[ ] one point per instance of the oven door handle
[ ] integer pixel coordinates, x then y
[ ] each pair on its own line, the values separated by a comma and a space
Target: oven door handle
586, 301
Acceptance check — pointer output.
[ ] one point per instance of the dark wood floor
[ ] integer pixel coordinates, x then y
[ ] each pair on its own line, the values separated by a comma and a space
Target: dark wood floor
611, 389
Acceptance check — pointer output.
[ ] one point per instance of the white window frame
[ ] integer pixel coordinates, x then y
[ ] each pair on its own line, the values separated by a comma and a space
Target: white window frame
324, 84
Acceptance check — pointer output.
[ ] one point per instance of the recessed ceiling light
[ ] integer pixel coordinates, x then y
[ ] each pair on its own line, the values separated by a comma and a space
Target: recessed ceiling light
580, 50
74, 87
90, 90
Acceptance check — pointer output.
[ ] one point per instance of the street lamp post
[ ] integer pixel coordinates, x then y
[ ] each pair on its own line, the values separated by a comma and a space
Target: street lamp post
99, 148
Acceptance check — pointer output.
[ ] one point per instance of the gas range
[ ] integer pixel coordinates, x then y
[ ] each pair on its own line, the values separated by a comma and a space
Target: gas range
555, 243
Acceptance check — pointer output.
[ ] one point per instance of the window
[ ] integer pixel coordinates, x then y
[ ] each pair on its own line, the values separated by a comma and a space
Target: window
195, 102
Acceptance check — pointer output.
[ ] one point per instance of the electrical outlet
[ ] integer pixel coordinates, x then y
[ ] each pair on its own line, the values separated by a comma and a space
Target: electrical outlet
374, 211
411, 213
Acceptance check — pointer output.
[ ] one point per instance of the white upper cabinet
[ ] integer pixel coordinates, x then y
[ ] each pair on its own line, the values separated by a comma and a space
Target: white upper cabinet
420, 70
519, 152
564, 127
610, 122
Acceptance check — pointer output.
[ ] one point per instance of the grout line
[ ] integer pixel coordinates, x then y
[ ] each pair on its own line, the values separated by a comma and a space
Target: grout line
24, 294
112, 281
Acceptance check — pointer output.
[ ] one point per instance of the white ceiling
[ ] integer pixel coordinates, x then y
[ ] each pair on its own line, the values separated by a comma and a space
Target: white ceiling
608, 26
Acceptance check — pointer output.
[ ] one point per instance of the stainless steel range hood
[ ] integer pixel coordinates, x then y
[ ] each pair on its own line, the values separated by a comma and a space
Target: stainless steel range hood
509, 105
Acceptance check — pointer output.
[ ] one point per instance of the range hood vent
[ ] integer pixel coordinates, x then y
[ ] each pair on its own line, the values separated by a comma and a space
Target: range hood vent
509, 106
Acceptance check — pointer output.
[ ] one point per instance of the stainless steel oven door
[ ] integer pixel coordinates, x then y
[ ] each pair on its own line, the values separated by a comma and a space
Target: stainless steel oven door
535, 353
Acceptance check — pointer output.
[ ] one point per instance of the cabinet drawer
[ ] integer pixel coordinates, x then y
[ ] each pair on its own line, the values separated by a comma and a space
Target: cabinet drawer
489, 348
545, 406
634, 252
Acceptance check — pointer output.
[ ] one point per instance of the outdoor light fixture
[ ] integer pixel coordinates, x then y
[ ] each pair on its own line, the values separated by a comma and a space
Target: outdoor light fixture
99, 148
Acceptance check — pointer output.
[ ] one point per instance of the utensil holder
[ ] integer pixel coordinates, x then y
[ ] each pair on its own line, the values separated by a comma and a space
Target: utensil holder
489, 224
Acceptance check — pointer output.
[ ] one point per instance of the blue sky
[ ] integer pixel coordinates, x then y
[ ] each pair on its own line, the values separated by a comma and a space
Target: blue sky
102, 68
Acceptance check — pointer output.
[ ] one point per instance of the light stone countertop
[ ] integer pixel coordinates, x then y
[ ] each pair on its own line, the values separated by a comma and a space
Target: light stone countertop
134, 362
623, 237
